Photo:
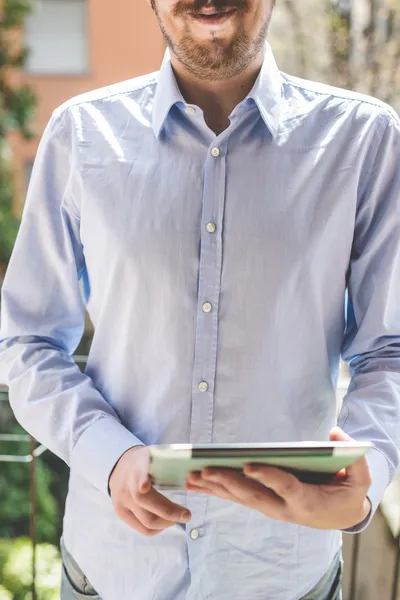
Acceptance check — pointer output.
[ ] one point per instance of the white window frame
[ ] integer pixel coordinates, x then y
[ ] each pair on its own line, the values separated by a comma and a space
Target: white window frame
72, 73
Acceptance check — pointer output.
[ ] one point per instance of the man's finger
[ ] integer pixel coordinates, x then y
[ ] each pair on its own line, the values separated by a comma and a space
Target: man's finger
159, 505
338, 435
129, 518
283, 484
190, 487
209, 487
245, 490
152, 521
145, 486
358, 472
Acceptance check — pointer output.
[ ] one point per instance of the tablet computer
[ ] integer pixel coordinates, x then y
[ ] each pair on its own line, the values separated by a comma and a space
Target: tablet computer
312, 462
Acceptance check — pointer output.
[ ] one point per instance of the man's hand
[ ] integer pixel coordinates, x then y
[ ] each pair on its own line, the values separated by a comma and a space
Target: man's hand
282, 496
136, 501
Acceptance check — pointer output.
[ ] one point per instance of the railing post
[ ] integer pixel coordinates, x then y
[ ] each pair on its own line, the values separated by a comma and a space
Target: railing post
396, 570
32, 511
354, 566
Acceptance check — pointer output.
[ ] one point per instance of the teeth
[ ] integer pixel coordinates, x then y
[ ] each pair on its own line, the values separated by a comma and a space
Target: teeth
212, 12
217, 14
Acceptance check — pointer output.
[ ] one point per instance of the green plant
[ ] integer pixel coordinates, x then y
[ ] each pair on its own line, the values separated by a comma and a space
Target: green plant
14, 495
51, 482
16, 570
5, 594
9, 224
17, 105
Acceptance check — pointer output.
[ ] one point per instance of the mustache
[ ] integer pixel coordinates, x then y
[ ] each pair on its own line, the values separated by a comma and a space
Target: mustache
183, 8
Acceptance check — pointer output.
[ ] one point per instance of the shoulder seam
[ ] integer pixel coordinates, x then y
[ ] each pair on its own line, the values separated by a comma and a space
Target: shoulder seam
70, 103
387, 109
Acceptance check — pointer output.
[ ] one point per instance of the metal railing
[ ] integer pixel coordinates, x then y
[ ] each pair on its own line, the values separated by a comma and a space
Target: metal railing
36, 450
355, 564
34, 453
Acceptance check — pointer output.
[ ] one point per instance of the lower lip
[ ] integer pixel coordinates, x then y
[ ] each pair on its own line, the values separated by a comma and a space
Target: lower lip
217, 19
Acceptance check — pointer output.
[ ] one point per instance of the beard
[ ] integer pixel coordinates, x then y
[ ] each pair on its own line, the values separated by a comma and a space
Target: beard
216, 59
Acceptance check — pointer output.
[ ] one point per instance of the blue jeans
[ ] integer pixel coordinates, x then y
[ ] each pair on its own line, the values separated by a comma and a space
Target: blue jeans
75, 585
330, 586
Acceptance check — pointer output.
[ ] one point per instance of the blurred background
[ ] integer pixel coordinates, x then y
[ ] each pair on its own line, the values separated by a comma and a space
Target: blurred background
52, 50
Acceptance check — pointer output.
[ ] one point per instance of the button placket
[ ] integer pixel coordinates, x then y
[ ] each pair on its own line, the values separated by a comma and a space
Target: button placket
206, 333
208, 298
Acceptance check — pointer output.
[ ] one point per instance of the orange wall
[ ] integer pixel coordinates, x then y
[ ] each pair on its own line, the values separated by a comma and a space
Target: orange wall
123, 41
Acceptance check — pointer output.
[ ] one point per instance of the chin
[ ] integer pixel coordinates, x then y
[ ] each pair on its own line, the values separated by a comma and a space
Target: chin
216, 47
218, 42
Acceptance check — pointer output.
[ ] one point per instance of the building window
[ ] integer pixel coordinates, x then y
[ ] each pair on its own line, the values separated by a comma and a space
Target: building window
56, 34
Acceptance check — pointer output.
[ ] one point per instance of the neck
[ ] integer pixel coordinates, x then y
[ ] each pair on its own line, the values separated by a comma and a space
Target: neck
217, 99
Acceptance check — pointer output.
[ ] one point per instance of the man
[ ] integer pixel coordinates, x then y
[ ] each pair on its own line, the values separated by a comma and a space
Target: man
216, 213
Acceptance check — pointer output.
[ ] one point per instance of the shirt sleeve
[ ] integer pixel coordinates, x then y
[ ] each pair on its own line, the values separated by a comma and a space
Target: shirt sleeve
371, 408
42, 322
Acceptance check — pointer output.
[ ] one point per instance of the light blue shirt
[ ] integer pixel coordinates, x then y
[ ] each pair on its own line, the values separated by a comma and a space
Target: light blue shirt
269, 223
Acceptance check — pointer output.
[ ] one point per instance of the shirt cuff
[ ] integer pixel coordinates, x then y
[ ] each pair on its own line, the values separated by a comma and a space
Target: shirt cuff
380, 474
98, 450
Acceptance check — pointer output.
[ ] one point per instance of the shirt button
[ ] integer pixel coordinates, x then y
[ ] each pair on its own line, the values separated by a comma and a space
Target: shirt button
211, 227
203, 386
215, 152
189, 110
194, 534
207, 307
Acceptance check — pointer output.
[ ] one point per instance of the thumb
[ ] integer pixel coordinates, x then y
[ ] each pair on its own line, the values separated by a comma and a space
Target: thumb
142, 468
145, 486
338, 435
359, 471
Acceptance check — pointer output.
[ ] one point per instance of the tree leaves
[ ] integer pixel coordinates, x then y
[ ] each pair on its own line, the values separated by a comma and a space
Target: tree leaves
17, 109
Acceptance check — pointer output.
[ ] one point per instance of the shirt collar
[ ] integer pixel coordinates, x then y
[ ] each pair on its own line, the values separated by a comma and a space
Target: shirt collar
266, 94
167, 94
